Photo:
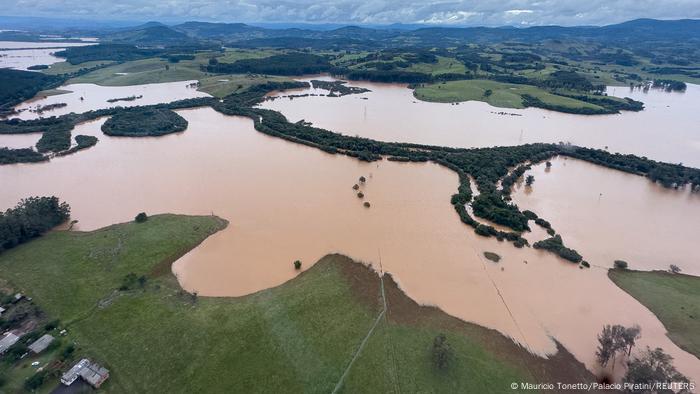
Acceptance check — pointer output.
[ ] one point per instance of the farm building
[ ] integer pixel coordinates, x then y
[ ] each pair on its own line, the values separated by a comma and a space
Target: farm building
7, 341
41, 344
92, 373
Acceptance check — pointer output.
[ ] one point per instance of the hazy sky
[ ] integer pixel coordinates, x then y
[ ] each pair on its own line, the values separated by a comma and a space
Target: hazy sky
456, 12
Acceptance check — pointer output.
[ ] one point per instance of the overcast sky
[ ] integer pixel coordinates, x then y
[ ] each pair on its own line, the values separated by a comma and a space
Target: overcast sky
454, 12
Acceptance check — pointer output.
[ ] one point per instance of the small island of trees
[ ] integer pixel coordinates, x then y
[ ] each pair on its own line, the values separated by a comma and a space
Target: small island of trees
143, 122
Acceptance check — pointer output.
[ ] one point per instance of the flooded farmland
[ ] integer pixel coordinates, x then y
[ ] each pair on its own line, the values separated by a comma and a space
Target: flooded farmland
666, 130
287, 202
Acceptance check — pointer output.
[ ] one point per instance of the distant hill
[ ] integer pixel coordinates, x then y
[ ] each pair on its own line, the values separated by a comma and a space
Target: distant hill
636, 32
149, 34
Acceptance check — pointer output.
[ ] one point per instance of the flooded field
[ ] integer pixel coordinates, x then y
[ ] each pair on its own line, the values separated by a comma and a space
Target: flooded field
608, 215
83, 97
20, 55
287, 202
666, 130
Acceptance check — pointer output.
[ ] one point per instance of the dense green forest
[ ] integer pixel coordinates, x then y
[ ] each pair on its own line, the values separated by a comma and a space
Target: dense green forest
29, 219
144, 122
23, 155
18, 86
295, 63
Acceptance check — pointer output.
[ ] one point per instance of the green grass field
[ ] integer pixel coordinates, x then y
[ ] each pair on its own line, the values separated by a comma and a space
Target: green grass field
156, 70
298, 337
503, 95
444, 65
673, 298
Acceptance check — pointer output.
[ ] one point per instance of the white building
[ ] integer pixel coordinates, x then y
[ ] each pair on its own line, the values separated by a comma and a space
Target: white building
7, 341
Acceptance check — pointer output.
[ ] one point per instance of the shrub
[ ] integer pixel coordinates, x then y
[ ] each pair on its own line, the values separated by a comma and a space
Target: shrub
363, 179
621, 264
141, 217
360, 195
674, 268
585, 263
442, 352
492, 256
297, 264
35, 381
366, 204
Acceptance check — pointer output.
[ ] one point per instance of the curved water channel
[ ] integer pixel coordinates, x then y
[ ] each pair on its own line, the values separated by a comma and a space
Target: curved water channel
288, 202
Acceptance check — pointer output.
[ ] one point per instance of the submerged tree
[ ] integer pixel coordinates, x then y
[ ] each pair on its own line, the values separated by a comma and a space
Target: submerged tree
674, 268
616, 339
529, 180
652, 367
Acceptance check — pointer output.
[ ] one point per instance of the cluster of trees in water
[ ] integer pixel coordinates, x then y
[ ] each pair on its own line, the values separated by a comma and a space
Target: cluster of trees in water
143, 122
29, 219
556, 246
337, 88
23, 155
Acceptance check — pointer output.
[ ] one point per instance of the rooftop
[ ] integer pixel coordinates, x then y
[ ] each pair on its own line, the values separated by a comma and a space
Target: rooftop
7, 341
41, 344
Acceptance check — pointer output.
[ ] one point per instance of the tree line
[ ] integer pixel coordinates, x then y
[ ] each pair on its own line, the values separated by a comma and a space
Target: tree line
31, 217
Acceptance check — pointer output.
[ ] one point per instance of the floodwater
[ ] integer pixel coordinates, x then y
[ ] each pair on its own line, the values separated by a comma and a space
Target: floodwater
608, 215
20, 55
83, 97
666, 130
287, 202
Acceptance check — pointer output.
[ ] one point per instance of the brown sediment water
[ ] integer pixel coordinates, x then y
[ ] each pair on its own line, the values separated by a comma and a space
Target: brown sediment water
20, 55
287, 202
16, 141
666, 130
609, 215
83, 97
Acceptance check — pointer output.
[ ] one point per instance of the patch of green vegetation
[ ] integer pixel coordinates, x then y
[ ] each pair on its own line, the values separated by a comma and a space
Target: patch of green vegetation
501, 94
139, 72
186, 342
492, 256
144, 122
673, 298
444, 65
68, 68
224, 85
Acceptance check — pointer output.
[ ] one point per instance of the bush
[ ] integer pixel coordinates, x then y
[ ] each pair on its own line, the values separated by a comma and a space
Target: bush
297, 265
442, 352
492, 256
35, 381
141, 217
360, 195
621, 264
366, 204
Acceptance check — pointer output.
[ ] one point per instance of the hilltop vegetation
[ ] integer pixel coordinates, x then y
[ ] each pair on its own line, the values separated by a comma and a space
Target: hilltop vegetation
303, 333
18, 86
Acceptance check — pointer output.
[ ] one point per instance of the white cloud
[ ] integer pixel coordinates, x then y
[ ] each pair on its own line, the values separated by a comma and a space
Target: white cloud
519, 12
454, 12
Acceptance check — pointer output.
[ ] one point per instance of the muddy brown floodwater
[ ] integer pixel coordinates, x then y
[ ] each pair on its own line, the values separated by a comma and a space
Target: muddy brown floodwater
287, 202
20, 55
609, 215
83, 97
666, 130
